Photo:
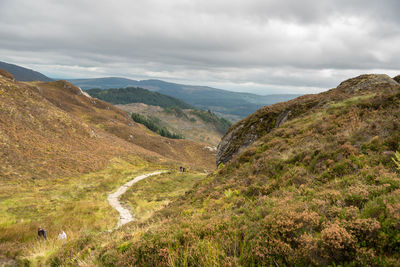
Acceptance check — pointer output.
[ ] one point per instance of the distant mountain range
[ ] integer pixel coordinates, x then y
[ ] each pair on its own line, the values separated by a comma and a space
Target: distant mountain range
204, 97
24, 74
237, 105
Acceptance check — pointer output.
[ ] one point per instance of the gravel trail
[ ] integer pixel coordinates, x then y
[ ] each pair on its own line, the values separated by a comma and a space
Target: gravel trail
125, 215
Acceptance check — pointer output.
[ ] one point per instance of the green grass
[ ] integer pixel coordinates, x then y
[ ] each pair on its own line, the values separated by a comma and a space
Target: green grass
396, 159
144, 199
154, 193
78, 205
350, 101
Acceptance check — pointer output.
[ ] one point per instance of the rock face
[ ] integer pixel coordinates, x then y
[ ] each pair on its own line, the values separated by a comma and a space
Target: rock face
260, 123
282, 118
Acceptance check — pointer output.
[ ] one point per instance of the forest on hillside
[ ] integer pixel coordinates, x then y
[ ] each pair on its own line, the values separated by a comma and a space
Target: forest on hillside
136, 95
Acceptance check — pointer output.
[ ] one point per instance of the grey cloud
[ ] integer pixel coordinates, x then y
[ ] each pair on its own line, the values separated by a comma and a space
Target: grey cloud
236, 43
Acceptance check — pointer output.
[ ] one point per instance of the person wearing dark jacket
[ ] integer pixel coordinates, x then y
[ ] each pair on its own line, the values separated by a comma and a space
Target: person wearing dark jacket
41, 233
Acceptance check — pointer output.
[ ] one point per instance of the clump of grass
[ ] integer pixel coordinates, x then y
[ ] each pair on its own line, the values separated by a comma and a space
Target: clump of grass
396, 159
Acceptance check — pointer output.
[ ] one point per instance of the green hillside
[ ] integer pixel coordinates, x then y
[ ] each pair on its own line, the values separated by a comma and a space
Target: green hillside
222, 125
318, 185
153, 124
192, 124
136, 95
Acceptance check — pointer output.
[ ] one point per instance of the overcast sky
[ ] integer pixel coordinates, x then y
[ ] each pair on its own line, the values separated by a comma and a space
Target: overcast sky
260, 46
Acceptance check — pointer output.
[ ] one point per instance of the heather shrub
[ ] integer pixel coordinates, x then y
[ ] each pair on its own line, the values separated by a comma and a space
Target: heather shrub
337, 243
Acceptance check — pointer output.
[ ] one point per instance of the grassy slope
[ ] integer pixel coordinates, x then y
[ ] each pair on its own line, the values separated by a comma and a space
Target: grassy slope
152, 194
319, 190
105, 117
264, 120
61, 154
144, 198
77, 204
183, 122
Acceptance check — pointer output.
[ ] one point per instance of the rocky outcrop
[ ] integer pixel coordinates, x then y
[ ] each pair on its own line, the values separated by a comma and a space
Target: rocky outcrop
260, 123
365, 82
282, 118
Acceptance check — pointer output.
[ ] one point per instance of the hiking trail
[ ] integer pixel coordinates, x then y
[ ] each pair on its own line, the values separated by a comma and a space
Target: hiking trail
125, 215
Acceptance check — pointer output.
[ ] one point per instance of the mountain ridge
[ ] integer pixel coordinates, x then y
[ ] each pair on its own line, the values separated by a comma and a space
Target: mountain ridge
203, 97
24, 74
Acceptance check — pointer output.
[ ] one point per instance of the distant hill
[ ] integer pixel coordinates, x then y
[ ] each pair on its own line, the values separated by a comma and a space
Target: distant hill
166, 114
192, 124
24, 74
204, 97
137, 95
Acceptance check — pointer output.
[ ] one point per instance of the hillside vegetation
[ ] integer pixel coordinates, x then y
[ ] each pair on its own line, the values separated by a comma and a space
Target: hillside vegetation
61, 154
192, 124
318, 185
136, 95
160, 123
153, 124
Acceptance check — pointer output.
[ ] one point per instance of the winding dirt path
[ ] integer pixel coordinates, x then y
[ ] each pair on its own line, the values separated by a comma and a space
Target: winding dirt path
125, 215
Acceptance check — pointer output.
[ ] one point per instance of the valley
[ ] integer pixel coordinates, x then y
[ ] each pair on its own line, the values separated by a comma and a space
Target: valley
199, 133
321, 187
311, 181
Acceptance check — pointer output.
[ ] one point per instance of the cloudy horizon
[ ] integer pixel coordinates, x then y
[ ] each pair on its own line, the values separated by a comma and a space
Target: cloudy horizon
258, 46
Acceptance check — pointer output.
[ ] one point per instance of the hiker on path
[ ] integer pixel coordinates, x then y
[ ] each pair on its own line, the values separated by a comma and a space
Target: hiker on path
41, 232
62, 235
